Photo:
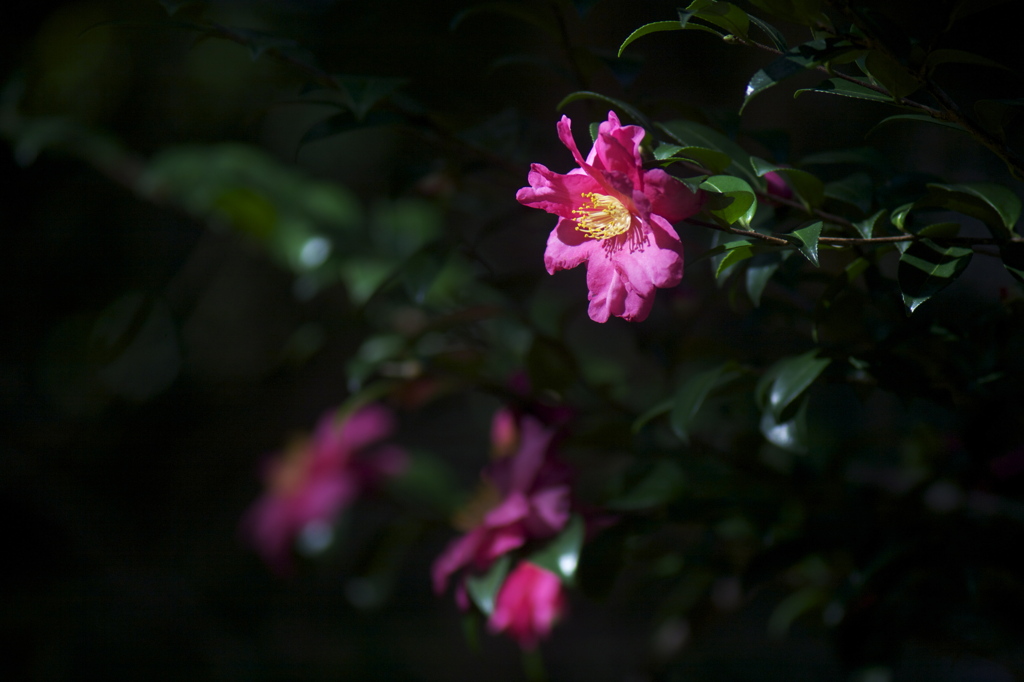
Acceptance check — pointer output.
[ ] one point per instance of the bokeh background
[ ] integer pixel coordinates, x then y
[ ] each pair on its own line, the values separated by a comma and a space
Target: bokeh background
156, 347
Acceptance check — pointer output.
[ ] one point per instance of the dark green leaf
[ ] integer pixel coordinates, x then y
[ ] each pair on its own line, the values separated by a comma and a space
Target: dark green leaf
627, 109
810, 190
794, 61
773, 33
789, 435
656, 411
948, 56
662, 484
939, 230
807, 238
692, 394
174, 6
722, 14
917, 117
483, 589
856, 190
861, 156
995, 205
710, 159
786, 380
868, 227
650, 28
760, 270
1012, 254
720, 249
838, 86
692, 134
926, 268
561, 554
890, 74
744, 202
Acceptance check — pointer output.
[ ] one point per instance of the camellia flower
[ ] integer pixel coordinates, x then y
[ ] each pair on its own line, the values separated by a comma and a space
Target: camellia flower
529, 602
525, 496
316, 478
614, 216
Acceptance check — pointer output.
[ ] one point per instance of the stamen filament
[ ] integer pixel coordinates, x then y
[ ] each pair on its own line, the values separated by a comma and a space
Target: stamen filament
602, 217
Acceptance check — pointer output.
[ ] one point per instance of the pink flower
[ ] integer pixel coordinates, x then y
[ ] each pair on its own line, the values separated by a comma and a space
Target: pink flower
316, 478
776, 187
616, 217
528, 604
525, 497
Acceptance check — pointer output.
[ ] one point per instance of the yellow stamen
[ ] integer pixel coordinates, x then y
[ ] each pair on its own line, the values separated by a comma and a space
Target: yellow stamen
602, 217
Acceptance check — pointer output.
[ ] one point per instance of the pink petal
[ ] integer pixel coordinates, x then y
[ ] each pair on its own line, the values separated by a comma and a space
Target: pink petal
658, 262
617, 148
607, 291
528, 604
568, 247
367, 425
550, 511
669, 197
459, 552
513, 508
555, 193
533, 448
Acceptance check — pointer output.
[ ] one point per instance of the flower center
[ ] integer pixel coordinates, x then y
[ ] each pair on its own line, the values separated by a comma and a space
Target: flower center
602, 217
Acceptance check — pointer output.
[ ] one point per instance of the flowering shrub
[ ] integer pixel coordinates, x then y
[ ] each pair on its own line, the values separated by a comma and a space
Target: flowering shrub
814, 433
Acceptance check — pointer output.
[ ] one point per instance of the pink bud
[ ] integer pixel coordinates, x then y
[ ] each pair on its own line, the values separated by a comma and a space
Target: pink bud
528, 604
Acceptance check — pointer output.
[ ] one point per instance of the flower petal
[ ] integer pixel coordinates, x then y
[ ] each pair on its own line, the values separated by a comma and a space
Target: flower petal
669, 197
555, 193
607, 291
617, 148
568, 247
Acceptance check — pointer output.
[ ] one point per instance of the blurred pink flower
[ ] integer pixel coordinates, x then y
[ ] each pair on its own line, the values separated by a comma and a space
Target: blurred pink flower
316, 478
528, 604
776, 186
525, 496
614, 216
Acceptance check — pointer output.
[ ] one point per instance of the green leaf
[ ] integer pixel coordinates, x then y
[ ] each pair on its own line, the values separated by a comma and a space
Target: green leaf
948, 56
809, 188
646, 29
483, 589
627, 109
899, 216
794, 61
363, 92
710, 159
773, 33
662, 484
258, 42
790, 435
794, 606
722, 14
917, 117
838, 86
364, 276
692, 394
786, 380
995, 205
692, 134
926, 268
939, 230
760, 270
561, 555
1012, 254
661, 408
890, 74
807, 237
743, 202
868, 227
731, 258
856, 190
